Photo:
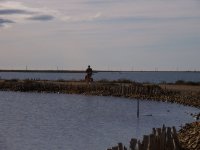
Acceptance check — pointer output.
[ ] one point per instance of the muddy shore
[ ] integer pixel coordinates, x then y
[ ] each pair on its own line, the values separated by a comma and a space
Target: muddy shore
182, 94
189, 136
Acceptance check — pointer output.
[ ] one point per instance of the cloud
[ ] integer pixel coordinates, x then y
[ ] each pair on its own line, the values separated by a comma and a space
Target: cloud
99, 2
16, 12
5, 21
81, 18
42, 17
148, 19
13, 11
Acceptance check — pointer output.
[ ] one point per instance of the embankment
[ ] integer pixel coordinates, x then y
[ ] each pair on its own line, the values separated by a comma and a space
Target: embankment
120, 89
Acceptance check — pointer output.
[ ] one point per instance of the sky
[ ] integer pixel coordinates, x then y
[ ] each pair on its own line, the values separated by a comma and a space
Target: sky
105, 34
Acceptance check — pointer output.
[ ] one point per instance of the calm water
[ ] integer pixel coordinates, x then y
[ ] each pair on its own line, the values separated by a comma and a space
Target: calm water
154, 77
34, 121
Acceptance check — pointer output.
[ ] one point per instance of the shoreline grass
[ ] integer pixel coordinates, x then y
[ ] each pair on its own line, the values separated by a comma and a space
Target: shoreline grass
186, 94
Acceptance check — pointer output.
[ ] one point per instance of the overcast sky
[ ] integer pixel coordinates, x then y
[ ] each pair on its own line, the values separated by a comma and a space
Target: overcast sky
107, 34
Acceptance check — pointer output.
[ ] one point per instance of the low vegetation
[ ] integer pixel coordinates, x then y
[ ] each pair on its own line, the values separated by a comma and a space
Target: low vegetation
181, 82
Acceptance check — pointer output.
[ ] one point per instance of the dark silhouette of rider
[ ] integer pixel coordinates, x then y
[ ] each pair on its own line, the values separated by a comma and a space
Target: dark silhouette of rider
89, 71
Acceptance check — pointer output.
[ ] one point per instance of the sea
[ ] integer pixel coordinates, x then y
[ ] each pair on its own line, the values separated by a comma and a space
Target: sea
138, 76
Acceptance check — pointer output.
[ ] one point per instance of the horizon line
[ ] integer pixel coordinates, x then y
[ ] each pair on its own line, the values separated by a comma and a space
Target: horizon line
81, 71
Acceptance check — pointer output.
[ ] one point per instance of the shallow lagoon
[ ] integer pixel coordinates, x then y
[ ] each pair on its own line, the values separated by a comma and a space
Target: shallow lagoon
58, 121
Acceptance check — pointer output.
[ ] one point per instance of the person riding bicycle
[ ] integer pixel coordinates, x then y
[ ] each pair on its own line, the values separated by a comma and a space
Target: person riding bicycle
89, 72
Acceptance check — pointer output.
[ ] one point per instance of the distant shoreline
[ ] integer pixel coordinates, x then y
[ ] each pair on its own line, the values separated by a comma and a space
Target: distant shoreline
80, 71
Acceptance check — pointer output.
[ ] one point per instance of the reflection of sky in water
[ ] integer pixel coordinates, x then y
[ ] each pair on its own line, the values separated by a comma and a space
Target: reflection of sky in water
58, 121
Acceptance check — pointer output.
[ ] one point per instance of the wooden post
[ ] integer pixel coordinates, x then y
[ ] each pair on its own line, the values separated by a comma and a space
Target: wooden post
169, 142
138, 108
115, 148
133, 144
145, 142
152, 140
120, 146
159, 138
176, 141
163, 138
140, 145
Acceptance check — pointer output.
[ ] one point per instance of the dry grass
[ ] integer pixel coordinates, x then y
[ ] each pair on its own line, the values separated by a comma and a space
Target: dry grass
184, 89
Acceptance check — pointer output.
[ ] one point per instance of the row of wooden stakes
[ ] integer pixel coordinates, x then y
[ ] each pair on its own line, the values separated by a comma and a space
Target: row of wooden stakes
160, 139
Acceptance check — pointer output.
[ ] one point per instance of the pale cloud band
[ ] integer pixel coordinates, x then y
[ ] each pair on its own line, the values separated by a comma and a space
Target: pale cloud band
87, 10
42, 17
5, 21
16, 12
97, 11
13, 11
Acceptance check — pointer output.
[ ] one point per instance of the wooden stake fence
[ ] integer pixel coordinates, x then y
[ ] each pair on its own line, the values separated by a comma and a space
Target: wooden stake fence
160, 139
